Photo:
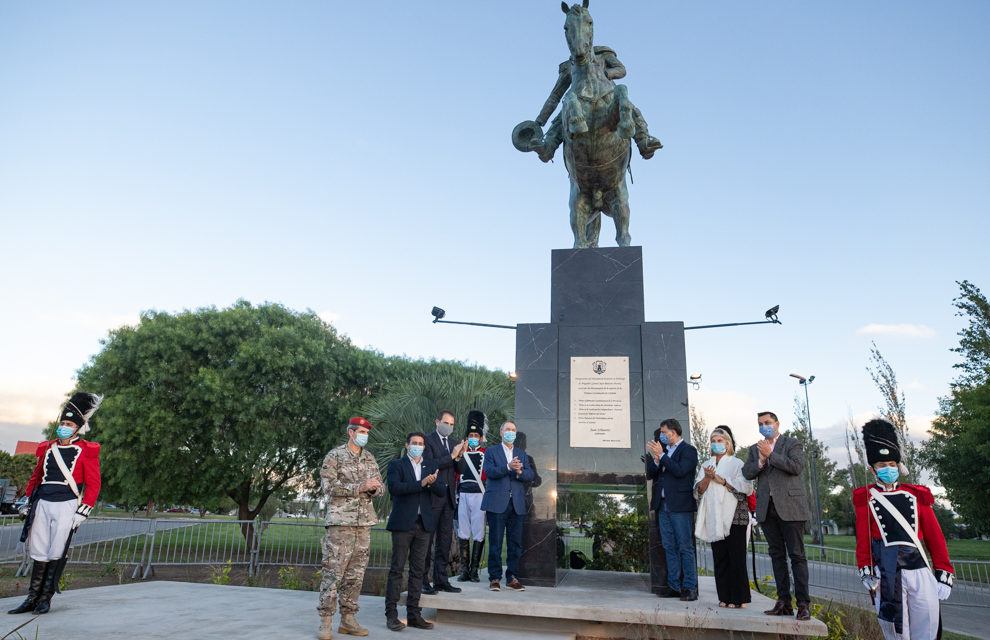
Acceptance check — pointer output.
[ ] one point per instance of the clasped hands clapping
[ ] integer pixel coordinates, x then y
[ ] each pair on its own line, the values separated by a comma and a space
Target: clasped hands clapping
371, 484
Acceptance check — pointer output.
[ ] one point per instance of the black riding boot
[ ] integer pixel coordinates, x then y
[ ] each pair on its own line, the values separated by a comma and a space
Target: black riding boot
47, 590
465, 558
34, 590
476, 550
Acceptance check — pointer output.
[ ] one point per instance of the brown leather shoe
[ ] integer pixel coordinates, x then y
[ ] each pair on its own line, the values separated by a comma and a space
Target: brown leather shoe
493, 586
803, 612
780, 608
515, 585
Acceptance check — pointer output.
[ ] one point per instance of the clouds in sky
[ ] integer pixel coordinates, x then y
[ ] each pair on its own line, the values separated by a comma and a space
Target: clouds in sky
897, 330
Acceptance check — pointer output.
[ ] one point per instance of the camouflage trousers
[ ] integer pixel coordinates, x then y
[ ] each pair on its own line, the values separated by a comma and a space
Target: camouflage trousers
345, 556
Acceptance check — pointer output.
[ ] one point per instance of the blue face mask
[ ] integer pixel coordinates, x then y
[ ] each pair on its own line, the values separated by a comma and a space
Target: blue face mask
888, 475
361, 439
473, 442
509, 437
664, 439
718, 448
416, 450
65, 432
767, 430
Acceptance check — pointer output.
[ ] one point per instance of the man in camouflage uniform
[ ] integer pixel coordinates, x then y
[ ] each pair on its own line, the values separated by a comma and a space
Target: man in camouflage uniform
350, 478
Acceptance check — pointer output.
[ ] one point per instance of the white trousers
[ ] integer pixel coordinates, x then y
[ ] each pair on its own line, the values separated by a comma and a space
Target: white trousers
919, 597
50, 529
470, 517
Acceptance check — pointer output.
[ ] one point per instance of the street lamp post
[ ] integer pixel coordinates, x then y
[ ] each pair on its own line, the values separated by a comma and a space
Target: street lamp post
804, 382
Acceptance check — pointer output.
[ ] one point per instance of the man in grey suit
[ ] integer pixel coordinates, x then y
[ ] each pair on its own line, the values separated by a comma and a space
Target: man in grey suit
781, 509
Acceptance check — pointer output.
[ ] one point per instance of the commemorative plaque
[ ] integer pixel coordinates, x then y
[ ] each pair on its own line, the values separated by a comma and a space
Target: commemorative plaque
600, 402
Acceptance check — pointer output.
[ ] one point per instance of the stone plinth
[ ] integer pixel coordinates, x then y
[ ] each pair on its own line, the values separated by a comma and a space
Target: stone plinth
605, 604
597, 309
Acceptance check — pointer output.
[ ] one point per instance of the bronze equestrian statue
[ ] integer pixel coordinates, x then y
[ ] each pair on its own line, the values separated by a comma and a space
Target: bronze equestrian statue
596, 123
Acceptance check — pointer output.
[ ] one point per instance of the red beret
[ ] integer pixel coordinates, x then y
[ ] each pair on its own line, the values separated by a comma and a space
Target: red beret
358, 421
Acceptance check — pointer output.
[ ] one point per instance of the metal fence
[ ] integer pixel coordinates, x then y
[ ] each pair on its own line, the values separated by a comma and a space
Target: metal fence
832, 569
123, 543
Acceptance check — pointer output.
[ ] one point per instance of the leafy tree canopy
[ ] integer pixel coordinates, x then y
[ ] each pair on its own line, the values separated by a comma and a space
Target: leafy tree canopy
959, 452
211, 403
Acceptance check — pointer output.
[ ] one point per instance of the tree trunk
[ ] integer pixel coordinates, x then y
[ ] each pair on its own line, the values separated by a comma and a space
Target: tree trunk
247, 528
150, 508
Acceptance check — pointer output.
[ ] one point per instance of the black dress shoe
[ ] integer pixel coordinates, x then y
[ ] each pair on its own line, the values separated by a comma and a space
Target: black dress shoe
419, 623
394, 624
780, 608
449, 588
428, 589
667, 592
688, 595
803, 612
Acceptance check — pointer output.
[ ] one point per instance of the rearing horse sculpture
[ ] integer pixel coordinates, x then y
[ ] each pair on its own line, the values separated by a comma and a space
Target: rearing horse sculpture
598, 126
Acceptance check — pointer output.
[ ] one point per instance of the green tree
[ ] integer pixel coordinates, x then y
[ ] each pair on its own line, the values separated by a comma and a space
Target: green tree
699, 435
858, 470
894, 409
960, 453
208, 404
816, 454
412, 404
17, 469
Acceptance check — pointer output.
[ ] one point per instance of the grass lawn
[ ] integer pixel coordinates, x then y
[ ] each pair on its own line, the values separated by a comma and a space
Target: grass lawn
958, 549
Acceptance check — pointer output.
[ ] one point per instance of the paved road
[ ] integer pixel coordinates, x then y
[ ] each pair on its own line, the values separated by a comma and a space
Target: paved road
95, 530
966, 611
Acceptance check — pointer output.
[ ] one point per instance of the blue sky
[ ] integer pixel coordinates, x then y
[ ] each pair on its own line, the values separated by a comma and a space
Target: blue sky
354, 159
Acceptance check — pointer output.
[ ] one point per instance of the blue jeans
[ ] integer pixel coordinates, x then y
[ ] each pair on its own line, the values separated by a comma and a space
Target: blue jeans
678, 543
508, 525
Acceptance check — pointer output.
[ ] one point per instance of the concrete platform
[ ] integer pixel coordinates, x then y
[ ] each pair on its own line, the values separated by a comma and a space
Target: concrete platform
586, 607
601, 604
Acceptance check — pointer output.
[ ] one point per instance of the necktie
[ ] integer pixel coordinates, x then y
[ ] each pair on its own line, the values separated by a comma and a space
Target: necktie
445, 445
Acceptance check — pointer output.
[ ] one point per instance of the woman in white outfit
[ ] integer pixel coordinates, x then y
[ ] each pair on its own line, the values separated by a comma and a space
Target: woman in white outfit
723, 517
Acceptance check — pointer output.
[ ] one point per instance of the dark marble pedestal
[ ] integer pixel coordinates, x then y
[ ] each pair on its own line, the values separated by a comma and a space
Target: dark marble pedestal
597, 309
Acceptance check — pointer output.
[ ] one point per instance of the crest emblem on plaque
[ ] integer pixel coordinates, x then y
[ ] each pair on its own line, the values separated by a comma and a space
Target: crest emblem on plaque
598, 366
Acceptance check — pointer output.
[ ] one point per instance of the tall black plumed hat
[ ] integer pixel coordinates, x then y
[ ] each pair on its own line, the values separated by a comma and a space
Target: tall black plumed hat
880, 440
477, 422
80, 408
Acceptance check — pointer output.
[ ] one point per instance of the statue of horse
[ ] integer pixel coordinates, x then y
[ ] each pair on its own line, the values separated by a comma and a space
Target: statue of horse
598, 126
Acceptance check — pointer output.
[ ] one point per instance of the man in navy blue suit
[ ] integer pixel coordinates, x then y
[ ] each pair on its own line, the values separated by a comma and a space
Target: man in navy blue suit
442, 450
507, 469
412, 483
673, 463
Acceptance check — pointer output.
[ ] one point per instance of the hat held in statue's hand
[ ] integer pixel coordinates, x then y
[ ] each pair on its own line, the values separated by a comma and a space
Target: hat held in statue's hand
524, 134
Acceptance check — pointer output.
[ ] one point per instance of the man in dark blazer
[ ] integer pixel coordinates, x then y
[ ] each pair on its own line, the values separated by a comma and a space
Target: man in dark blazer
442, 451
781, 509
507, 469
412, 482
673, 464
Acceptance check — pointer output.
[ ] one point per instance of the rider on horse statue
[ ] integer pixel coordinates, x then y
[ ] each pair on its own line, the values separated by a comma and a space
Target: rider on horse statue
615, 70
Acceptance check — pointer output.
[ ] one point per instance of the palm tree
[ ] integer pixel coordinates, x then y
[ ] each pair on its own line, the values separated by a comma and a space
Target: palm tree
412, 404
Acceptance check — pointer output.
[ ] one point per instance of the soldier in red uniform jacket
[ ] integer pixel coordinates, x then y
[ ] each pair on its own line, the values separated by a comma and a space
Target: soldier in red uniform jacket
62, 491
892, 520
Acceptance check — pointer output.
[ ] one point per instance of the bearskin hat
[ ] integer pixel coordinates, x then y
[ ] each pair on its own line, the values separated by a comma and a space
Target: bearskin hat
80, 408
880, 440
477, 422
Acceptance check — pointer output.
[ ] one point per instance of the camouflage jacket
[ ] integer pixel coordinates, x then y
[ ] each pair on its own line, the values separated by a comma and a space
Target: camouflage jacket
343, 472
